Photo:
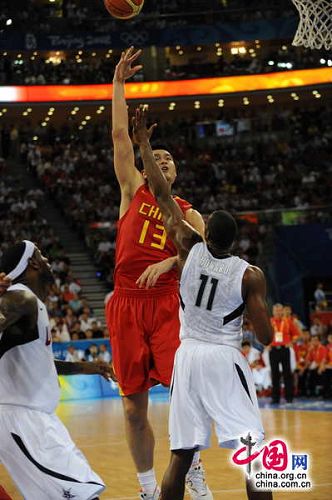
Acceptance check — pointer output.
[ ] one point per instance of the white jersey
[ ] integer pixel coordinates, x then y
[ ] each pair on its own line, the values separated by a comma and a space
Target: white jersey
211, 298
28, 376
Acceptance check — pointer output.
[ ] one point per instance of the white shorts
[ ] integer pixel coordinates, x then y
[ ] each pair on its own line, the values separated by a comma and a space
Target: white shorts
212, 384
41, 458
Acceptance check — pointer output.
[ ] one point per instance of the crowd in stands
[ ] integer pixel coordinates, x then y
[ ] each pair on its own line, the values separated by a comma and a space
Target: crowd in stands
310, 359
39, 71
86, 16
94, 352
71, 317
274, 160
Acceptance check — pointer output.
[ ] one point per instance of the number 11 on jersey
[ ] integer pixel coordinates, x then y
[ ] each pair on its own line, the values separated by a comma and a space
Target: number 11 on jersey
214, 283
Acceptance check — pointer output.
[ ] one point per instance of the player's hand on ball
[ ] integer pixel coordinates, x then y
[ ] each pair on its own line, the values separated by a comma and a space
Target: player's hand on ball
124, 68
4, 283
153, 272
141, 133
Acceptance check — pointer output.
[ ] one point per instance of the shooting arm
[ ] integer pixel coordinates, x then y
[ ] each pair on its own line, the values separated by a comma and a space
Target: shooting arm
124, 161
254, 292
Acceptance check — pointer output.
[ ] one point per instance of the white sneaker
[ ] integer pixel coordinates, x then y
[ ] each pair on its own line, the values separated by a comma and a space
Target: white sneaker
196, 484
150, 496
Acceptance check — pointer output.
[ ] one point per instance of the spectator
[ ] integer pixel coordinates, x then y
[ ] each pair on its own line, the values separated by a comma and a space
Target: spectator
316, 359
104, 354
301, 348
327, 369
76, 304
320, 297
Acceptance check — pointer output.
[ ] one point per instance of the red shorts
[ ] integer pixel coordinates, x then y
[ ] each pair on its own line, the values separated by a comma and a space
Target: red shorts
144, 332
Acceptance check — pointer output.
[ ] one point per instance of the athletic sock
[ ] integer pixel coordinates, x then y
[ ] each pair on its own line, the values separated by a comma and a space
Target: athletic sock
148, 481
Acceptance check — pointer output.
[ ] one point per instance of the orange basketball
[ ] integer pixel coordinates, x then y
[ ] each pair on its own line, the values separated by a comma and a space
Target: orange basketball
124, 9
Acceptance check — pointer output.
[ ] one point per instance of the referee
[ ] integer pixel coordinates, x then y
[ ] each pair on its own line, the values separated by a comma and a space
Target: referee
285, 331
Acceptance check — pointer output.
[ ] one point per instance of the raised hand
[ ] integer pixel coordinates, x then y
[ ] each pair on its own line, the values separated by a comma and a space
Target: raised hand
141, 133
124, 68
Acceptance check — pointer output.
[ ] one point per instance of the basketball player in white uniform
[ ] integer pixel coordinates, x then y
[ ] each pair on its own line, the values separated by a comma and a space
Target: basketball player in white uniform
212, 381
35, 447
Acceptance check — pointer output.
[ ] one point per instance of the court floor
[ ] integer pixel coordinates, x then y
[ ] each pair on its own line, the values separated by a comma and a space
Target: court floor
97, 428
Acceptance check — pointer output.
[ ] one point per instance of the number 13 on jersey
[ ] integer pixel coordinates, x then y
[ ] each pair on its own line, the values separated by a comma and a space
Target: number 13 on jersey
159, 235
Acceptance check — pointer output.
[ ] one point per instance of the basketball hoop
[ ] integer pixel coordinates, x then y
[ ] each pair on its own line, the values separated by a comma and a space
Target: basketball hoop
315, 27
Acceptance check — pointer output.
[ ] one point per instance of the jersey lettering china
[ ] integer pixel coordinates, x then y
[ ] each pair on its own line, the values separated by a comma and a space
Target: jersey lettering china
142, 240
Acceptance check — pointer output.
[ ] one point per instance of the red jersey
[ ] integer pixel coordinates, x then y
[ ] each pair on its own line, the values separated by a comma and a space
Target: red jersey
317, 354
301, 353
285, 330
329, 355
142, 241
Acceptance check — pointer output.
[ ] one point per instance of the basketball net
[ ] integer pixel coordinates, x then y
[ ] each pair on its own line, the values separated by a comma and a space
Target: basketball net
315, 26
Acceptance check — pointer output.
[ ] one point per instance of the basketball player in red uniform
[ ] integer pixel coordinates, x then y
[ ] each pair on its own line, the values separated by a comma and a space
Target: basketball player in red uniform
143, 323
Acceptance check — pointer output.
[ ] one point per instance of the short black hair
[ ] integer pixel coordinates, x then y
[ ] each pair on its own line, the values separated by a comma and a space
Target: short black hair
222, 229
11, 257
245, 342
138, 160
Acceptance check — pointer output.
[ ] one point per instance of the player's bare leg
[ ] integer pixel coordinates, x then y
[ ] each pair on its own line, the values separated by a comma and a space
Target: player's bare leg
173, 484
140, 440
257, 495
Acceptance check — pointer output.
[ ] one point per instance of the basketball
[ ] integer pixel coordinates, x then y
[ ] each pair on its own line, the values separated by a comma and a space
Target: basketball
124, 9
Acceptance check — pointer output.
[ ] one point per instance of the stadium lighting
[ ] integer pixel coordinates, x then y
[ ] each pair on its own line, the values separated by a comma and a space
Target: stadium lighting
221, 103
9, 22
0, 113
180, 52
44, 124
271, 63
197, 104
88, 117
35, 138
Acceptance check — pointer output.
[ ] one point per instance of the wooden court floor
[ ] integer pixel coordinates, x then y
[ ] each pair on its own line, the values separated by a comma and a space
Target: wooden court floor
97, 428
